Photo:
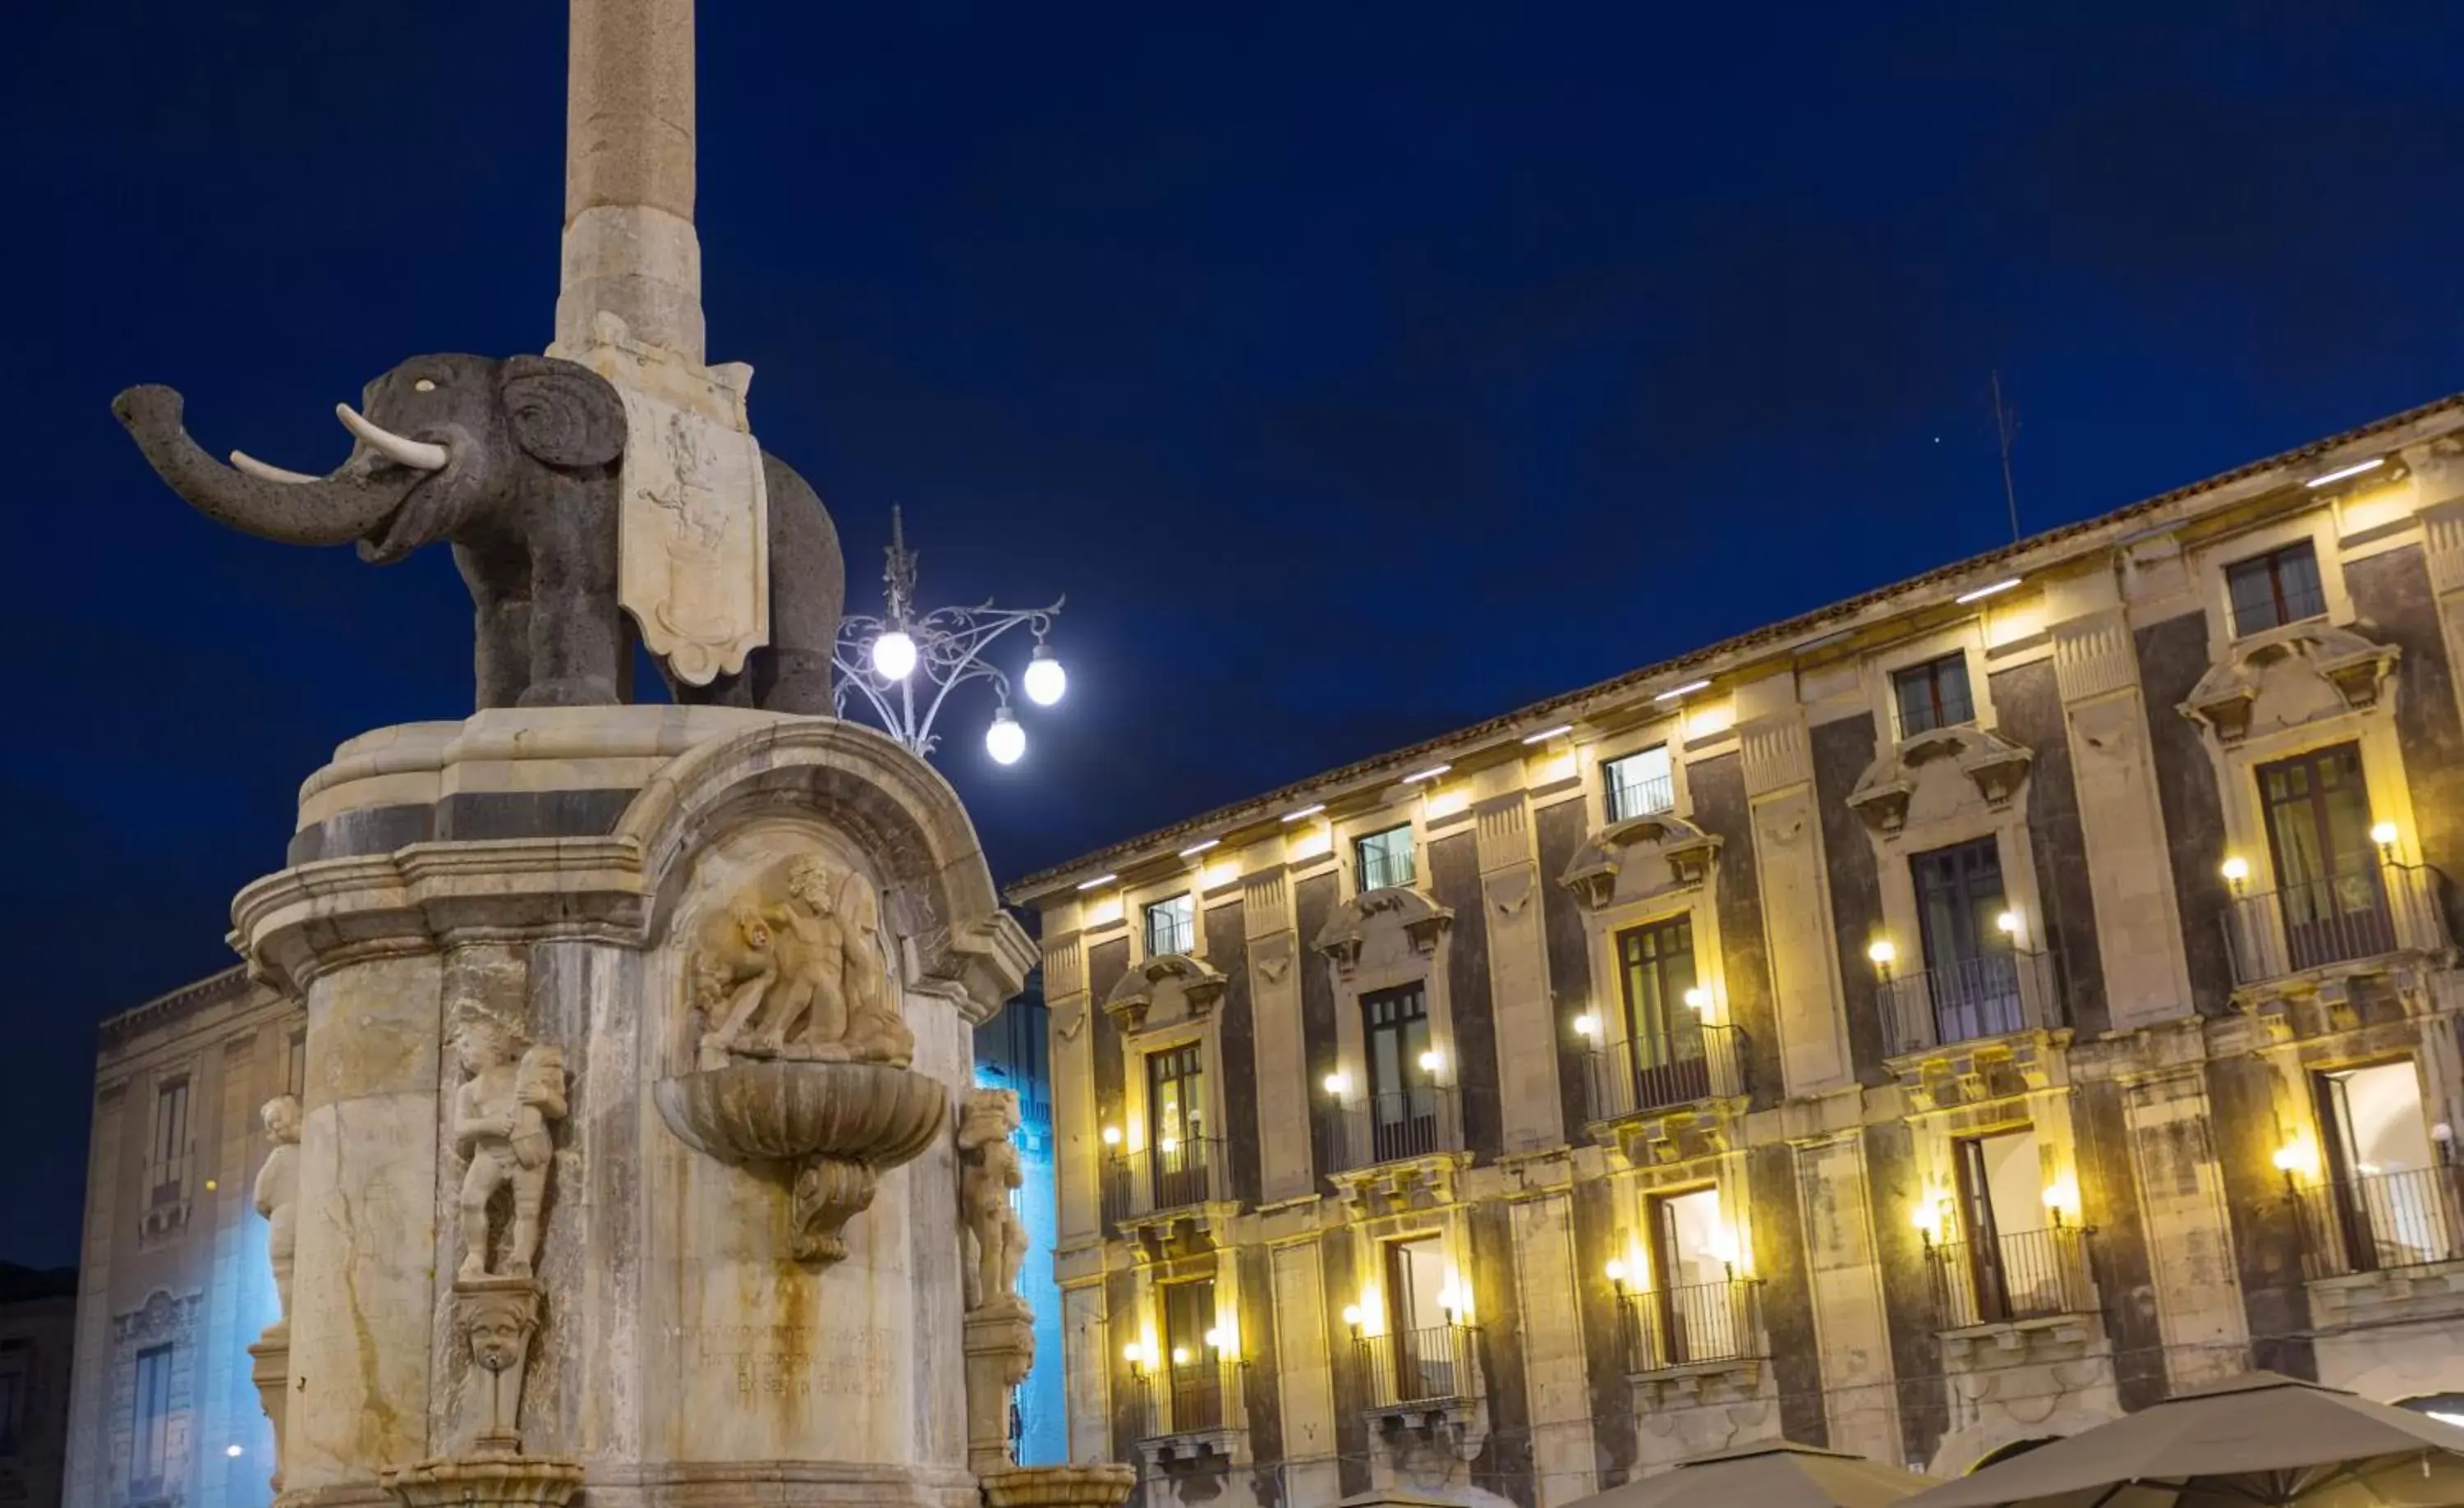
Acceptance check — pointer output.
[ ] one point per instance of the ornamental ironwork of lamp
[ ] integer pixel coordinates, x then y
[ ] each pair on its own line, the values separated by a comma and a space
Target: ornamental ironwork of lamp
905, 662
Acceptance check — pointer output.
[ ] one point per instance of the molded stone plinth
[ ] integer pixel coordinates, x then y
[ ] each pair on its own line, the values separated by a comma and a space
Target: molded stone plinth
269, 1367
486, 1480
1001, 1351
836, 1125
1105, 1485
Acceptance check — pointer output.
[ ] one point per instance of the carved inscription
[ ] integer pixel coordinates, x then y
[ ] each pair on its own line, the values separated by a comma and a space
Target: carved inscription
792, 1360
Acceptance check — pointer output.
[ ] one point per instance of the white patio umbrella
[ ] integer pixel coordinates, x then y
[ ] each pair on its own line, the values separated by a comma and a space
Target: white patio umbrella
1777, 1474
2260, 1440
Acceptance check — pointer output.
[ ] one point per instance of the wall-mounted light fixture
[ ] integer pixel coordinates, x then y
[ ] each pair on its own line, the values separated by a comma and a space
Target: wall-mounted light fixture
1675, 691
1989, 589
1338, 1083
2382, 833
2007, 925
1195, 849
1616, 1276
2296, 1156
1697, 999
1432, 1060
1112, 1136
1351, 1318
2236, 871
2061, 1198
1305, 812
1547, 733
2342, 472
1586, 1025
1881, 952
1097, 883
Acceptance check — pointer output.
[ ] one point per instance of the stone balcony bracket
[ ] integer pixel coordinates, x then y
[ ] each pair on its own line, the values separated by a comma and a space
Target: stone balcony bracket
1973, 1073
2017, 1342
1995, 766
1411, 1183
1459, 1424
1728, 1380
1188, 1229
1192, 1452
1663, 1137
2397, 1295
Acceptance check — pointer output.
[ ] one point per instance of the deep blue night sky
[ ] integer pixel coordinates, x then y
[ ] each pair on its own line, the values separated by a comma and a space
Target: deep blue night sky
1359, 371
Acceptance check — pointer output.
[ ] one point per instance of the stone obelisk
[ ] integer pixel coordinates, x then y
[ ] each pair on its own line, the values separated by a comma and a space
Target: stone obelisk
630, 245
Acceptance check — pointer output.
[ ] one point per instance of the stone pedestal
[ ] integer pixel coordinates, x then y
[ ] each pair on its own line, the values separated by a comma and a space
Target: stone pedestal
1107, 1485
732, 1301
269, 1367
1001, 1351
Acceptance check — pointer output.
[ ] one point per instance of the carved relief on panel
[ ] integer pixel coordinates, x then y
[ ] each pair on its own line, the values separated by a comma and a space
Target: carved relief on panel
792, 968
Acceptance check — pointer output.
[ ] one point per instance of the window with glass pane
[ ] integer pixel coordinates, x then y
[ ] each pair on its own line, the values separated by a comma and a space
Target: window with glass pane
1933, 696
2274, 590
1657, 965
1172, 927
1402, 1096
2001, 1195
170, 1139
1970, 976
1385, 857
1416, 1316
150, 1417
2392, 1201
2327, 876
1188, 1315
1639, 784
1176, 1124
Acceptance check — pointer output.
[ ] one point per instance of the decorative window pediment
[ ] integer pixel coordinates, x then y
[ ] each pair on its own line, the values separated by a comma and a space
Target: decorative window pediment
2289, 676
1399, 910
1994, 765
1662, 851
1173, 987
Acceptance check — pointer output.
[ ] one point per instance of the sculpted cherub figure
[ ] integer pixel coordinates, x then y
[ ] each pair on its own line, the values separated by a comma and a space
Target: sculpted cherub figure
874, 1031
989, 1168
278, 1192
500, 1115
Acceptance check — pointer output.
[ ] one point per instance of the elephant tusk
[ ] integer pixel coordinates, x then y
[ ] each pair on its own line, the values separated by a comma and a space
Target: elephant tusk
263, 473
394, 447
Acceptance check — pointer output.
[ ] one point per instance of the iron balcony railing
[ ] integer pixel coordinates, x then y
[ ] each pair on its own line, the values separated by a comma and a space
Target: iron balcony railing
1992, 995
1641, 796
1169, 1175
2379, 1222
1182, 1398
1653, 1073
2365, 912
1437, 1365
1670, 1327
1416, 1122
2029, 1275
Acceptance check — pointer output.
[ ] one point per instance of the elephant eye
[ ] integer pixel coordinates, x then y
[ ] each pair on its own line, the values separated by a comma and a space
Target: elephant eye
423, 385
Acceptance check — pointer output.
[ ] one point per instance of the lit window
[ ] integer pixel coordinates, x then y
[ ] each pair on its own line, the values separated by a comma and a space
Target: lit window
1639, 784
1385, 857
151, 1418
1933, 696
2270, 590
1172, 927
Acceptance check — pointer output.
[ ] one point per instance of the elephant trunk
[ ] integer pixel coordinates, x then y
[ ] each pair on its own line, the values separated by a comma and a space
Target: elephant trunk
335, 509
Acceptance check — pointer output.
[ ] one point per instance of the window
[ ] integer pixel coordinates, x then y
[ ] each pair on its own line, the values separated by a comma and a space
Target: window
1385, 857
170, 1151
1195, 1382
1639, 784
1176, 1125
1172, 927
2274, 590
295, 1072
1419, 1315
2327, 882
150, 1420
2394, 1203
1693, 1309
1972, 978
1402, 1107
2002, 1213
1933, 696
1657, 965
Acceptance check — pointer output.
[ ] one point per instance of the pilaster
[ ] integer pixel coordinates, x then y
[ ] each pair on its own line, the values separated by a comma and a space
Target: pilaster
1528, 1030
1795, 895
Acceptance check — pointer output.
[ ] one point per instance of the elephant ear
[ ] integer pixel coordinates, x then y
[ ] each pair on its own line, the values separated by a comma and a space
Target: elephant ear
562, 412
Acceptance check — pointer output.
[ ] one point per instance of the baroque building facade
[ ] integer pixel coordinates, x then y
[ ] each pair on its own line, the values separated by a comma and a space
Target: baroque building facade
1921, 1028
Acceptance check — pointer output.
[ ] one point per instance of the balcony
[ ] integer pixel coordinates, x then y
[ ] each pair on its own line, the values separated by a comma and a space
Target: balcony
1638, 1076
1398, 1126
1410, 1369
2347, 918
2032, 1274
1640, 797
1185, 1410
1159, 1179
2381, 1222
1997, 994
1698, 1326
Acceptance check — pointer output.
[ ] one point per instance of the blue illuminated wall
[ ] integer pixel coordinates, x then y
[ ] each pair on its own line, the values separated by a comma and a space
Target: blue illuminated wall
1010, 1053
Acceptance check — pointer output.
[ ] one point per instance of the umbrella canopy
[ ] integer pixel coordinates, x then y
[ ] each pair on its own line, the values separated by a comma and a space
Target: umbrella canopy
2256, 1441
1775, 1475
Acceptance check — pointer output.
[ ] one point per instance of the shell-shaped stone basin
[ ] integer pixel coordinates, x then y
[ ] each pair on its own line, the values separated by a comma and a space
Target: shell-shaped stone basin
756, 1112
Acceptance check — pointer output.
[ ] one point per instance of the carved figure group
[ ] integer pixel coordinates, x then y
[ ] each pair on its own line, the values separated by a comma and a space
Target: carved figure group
802, 977
500, 1128
988, 1170
277, 1193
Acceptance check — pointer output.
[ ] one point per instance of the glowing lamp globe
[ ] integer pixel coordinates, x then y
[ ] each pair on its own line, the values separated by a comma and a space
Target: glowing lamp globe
1046, 681
1005, 741
894, 654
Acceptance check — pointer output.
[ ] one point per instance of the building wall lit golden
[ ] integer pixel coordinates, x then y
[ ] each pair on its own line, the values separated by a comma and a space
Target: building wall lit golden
1934, 1024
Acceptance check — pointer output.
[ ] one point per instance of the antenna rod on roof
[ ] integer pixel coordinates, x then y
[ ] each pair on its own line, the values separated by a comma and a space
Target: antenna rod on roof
2006, 428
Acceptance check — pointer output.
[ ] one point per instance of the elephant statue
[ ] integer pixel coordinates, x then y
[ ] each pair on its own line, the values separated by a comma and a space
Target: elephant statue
515, 463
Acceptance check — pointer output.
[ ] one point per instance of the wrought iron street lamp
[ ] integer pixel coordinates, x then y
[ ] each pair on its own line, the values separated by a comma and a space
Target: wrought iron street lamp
906, 662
